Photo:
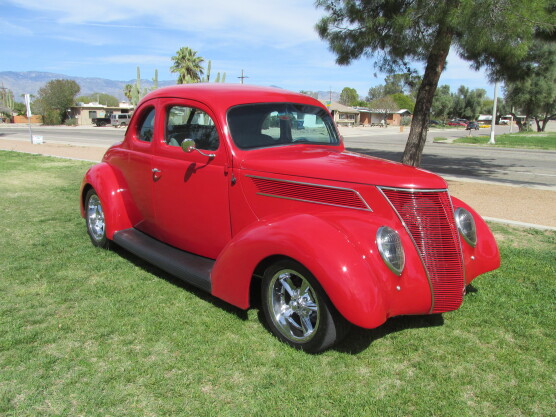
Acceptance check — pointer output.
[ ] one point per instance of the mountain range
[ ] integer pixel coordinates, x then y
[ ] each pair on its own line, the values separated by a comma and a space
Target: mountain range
29, 82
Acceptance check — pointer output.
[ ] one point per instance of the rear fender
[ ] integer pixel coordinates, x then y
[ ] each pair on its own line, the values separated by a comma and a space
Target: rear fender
103, 179
340, 267
485, 256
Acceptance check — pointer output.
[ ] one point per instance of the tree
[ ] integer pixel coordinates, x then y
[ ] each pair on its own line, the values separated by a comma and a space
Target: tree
492, 34
535, 93
55, 98
128, 88
375, 93
7, 102
188, 66
468, 103
442, 102
349, 97
403, 101
101, 98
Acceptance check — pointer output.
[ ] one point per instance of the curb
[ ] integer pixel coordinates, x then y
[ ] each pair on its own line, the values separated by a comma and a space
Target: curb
520, 224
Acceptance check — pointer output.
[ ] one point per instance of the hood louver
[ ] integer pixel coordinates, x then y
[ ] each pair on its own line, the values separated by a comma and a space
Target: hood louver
310, 193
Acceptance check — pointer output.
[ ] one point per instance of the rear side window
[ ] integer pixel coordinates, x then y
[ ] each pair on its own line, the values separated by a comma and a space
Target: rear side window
145, 129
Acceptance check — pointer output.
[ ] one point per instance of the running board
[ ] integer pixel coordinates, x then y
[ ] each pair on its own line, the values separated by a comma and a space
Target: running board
193, 269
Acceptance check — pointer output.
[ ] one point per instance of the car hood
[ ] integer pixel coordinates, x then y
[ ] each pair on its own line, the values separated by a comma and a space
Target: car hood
334, 165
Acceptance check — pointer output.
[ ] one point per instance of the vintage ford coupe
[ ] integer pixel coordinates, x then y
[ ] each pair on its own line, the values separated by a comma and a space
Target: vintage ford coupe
234, 188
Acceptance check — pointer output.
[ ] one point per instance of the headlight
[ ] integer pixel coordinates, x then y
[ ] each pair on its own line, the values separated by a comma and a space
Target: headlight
391, 249
466, 226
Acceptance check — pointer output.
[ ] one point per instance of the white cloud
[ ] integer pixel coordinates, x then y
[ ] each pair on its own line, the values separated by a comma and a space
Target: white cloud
284, 23
8, 28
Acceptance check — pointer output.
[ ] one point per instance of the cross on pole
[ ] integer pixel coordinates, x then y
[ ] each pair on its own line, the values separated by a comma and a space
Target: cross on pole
242, 76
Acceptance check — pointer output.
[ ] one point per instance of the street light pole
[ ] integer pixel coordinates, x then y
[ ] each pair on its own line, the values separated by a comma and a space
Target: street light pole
493, 124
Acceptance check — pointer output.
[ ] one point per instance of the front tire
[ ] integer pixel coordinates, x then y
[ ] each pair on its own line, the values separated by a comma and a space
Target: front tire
297, 309
94, 218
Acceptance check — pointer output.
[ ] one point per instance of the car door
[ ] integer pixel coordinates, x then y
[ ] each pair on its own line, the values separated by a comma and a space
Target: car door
135, 164
191, 189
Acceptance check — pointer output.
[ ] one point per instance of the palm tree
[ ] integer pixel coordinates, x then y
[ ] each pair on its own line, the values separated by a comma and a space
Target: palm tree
128, 88
188, 65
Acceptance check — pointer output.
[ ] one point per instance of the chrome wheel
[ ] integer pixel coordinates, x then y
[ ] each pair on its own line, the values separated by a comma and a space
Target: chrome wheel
294, 306
95, 218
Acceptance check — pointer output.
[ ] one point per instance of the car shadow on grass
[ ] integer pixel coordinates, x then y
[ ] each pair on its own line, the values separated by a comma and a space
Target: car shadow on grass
203, 295
359, 339
356, 341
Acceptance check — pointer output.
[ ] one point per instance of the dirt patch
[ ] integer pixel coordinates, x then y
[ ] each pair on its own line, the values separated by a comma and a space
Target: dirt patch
51, 149
520, 204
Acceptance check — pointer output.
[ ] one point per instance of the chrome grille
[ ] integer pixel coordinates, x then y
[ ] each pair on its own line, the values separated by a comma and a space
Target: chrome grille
428, 216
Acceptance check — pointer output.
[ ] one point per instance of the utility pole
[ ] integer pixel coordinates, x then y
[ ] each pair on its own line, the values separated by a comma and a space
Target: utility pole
512, 119
242, 76
493, 124
29, 114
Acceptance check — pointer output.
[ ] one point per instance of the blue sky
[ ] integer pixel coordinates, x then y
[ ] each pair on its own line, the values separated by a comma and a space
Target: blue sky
273, 41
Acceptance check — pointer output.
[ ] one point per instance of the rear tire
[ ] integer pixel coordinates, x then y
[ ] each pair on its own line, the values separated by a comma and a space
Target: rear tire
297, 309
94, 218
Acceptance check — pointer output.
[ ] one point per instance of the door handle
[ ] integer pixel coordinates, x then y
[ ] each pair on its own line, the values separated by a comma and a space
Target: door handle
156, 174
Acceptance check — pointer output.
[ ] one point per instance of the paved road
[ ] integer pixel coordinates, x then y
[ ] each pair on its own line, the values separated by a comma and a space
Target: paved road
503, 165
84, 136
508, 166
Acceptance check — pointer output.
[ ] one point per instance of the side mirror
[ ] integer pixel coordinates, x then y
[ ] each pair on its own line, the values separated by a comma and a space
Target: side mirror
188, 146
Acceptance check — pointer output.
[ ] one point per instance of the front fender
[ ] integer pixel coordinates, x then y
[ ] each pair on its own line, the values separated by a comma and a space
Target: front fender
103, 179
356, 281
485, 256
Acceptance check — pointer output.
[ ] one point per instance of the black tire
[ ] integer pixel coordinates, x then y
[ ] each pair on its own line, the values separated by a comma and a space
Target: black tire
94, 219
297, 310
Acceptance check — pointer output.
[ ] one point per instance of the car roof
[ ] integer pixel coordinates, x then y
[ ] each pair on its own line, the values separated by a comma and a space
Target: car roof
222, 96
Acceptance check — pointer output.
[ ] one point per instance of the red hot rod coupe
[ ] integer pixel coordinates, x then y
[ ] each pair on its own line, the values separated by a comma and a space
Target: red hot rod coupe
228, 186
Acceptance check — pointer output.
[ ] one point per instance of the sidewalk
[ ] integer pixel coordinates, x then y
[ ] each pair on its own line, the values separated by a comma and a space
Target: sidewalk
508, 204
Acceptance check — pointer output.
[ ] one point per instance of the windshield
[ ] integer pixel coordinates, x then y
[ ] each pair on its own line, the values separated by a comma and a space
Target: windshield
274, 124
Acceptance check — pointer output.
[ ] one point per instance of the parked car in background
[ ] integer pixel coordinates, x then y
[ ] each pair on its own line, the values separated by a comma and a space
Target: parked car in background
221, 186
102, 121
456, 123
434, 123
472, 125
120, 119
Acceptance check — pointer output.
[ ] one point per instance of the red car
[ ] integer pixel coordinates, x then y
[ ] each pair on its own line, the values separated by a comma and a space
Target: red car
236, 188
457, 123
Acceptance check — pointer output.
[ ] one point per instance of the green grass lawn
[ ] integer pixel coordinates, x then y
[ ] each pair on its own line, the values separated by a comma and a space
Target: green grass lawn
88, 332
532, 140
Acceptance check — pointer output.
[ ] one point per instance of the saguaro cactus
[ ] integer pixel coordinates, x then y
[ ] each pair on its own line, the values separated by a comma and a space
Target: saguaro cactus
155, 80
136, 92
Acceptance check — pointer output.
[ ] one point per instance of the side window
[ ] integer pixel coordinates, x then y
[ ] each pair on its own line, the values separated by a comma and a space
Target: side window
271, 125
310, 128
190, 123
145, 130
